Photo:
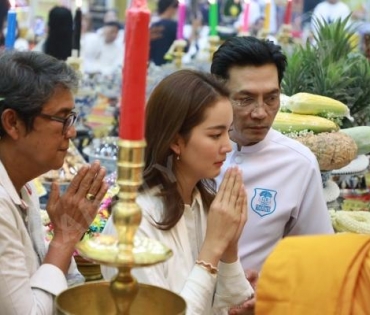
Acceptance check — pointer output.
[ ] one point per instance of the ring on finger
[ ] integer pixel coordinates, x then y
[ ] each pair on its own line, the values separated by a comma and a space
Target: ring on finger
90, 197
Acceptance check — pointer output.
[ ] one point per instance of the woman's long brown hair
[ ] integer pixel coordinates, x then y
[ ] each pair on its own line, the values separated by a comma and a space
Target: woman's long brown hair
175, 107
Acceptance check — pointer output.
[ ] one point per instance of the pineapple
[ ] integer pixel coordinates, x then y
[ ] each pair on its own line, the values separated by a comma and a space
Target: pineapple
332, 68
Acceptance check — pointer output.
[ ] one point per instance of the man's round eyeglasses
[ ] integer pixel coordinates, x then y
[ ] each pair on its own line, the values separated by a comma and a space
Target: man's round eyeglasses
67, 122
270, 103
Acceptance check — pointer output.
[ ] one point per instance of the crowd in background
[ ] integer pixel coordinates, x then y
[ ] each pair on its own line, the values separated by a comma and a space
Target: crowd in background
102, 49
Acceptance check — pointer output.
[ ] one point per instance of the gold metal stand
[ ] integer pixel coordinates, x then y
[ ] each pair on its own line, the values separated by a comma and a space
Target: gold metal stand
214, 42
74, 61
285, 34
180, 45
286, 40
242, 33
263, 34
123, 295
176, 52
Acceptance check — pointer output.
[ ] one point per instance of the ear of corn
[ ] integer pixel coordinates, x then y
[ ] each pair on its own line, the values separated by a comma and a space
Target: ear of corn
361, 135
312, 104
284, 103
290, 123
351, 221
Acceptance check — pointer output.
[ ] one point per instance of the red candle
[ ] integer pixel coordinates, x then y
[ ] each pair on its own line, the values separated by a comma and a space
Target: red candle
288, 12
131, 123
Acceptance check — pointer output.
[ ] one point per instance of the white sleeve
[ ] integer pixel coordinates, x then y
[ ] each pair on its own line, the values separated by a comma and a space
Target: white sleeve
232, 287
312, 217
20, 292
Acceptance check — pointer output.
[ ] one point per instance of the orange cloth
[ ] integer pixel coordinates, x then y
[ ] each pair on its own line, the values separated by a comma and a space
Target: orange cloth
316, 275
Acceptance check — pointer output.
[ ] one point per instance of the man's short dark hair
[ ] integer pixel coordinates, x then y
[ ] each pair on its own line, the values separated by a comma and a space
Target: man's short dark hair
163, 5
247, 51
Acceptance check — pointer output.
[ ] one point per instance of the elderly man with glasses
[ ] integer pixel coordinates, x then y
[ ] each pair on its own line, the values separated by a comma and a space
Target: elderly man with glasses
36, 125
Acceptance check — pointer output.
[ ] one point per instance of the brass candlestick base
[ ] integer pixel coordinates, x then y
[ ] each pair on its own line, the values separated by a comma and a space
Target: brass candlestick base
74, 61
176, 52
94, 298
214, 42
123, 295
263, 34
242, 33
286, 40
285, 34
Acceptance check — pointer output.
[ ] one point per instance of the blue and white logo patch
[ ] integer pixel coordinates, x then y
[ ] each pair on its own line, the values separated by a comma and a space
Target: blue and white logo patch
264, 201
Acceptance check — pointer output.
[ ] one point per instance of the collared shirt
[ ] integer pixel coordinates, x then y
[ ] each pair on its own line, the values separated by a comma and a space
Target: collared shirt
26, 286
285, 195
329, 12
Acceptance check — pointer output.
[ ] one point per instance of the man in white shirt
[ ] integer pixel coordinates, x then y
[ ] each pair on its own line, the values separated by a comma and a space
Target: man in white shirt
330, 10
104, 54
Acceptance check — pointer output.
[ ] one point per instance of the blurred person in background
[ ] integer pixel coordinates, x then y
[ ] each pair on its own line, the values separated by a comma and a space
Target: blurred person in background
106, 56
58, 41
111, 15
4, 7
163, 31
330, 10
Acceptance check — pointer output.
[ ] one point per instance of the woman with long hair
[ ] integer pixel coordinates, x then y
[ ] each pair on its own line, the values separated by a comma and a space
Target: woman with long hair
188, 117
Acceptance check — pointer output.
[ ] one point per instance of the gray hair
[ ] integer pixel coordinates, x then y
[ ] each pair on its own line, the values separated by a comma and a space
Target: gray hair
28, 80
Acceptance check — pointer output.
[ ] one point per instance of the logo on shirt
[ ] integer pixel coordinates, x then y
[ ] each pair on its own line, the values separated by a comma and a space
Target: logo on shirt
264, 201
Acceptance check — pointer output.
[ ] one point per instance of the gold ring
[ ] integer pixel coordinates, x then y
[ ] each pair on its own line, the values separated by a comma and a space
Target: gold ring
90, 197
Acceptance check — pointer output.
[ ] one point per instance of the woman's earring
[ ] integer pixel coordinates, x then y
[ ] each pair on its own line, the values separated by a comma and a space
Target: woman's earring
178, 157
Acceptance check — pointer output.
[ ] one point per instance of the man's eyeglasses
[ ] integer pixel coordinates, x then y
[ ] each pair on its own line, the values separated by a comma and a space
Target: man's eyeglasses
271, 102
67, 122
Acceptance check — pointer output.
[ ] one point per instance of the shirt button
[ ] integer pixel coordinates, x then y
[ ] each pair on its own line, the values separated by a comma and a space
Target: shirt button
238, 159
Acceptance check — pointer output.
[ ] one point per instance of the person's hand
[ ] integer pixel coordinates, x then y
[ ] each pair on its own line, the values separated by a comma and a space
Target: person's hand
226, 217
252, 277
231, 252
232, 249
246, 308
72, 213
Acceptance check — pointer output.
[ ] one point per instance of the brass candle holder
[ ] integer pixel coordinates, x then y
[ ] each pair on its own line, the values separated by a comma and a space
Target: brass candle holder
180, 45
176, 52
243, 33
263, 33
75, 61
123, 295
214, 42
285, 35
286, 40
